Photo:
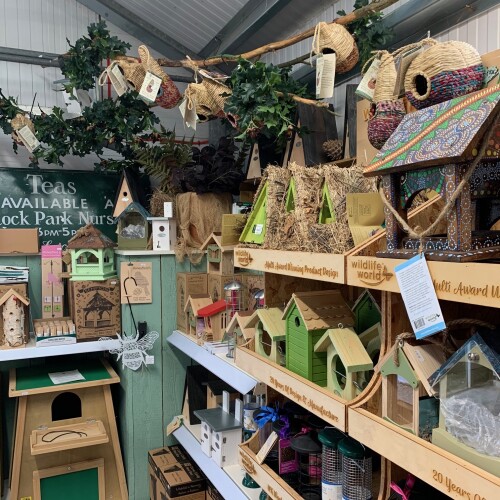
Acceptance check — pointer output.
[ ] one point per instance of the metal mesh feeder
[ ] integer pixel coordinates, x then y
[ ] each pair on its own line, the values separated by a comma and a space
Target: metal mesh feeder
356, 470
309, 472
331, 463
232, 296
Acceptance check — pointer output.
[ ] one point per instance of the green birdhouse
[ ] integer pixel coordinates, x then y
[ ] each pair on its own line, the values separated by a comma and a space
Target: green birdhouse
92, 255
308, 315
133, 227
255, 228
366, 312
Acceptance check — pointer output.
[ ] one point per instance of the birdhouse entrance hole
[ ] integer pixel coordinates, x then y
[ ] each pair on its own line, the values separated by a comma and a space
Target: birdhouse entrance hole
66, 405
266, 342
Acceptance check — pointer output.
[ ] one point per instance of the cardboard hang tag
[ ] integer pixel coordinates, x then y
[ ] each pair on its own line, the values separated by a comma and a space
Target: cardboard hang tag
189, 113
136, 282
366, 87
118, 80
365, 215
28, 138
325, 75
150, 87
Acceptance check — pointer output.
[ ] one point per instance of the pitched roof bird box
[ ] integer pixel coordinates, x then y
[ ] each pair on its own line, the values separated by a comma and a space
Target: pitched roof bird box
195, 324
92, 255
220, 258
435, 148
269, 334
239, 327
215, 320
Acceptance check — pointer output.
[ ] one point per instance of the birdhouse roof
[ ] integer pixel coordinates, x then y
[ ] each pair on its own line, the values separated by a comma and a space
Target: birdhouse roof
219, 386
196, 302
366, 296
488, 342
241, 319
349, 348
90, 237
212, 309
321, 310
131, 179
12, 293
272, 322
441, 134
133, 207
216, 239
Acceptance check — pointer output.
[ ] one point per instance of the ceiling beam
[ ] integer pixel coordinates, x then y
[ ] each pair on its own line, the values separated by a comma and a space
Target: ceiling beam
44, 59
251, 17
139, 28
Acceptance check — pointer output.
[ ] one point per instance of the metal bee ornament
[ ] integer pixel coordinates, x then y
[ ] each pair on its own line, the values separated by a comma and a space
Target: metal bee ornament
132, 350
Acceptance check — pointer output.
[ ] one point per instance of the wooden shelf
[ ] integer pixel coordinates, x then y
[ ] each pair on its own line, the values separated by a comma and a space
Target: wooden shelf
225, 368
30, 351
68, 437
446, 472
227, 480
316, 266
316, 399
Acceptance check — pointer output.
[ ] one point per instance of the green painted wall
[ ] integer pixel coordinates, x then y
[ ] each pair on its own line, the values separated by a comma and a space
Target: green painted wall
146, 400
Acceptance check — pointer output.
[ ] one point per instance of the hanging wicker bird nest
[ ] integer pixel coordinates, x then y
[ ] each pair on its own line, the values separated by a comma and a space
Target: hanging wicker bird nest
17, 123
207, 98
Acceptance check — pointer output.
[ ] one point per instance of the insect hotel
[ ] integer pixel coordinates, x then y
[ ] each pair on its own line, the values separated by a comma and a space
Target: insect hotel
439, 148
14, 307
195, 323
346, 361
308, 315
92, 255
468, 384
269, 334
405, 388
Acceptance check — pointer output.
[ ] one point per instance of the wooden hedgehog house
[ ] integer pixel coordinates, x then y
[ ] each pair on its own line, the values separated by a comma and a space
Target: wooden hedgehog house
436, 148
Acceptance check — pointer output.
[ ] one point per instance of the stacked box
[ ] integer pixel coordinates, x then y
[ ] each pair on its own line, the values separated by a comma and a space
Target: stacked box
187, 284
213, 492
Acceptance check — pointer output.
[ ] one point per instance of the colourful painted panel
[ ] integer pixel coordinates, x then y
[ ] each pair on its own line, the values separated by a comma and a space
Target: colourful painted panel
438, 134
414, 181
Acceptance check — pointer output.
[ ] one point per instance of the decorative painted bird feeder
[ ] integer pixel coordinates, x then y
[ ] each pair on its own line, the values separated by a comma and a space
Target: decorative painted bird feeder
356, 470
331, 463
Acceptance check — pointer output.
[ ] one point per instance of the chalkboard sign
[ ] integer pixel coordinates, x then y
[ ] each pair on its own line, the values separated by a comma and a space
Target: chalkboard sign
57, 202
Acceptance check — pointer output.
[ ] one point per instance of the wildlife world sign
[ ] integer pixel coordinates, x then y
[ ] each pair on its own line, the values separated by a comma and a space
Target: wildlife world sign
57, 202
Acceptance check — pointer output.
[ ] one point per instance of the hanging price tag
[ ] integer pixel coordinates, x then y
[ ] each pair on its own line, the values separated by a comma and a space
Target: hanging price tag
150, 87
188, 113
366, 87
118, 80
419, 297
28, 138
325, 75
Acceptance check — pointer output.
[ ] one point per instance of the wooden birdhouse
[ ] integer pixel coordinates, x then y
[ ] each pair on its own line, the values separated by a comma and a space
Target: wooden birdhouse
215, 389
92, 255
346, 362
133, 227
435, 148
215, 320
270, 334
308, 316
220, 258
129, 191
255, 228
366, 312
164, 231
468, 384
195, 324
371, 339
405, 370
14, 307
239, 329
327, 210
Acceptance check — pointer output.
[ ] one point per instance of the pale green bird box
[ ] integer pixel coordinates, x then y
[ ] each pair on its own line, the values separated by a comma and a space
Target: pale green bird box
239, 329
269, 334
404, 381
255, 228
92, 255
308, 315
366, 312
327, 210
346, 361
134, 227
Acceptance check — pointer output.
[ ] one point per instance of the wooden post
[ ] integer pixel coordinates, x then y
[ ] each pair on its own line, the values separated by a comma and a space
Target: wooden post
390, 185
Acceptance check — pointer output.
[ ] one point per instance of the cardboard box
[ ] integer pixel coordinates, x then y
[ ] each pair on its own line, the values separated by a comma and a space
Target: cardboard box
22, 289
52, 284
183, 481
57, 331
95, 308
19, 240
187, 284
213, 492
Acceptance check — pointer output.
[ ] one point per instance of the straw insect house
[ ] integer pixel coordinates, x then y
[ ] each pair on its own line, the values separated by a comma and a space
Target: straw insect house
14, 314
346, 362
195, 324
308, 315
444, 71
269, 334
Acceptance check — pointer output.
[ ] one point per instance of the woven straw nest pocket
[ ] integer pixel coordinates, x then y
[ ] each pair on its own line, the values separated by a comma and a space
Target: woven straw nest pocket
17, 123
335, 38
133, 71
444, 71
385, 86
207, 98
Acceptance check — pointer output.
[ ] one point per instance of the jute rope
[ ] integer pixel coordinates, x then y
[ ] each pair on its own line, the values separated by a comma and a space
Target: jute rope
450, 203
400, 340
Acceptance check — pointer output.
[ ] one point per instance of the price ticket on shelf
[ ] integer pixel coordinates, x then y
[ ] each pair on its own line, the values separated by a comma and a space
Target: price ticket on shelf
419, 297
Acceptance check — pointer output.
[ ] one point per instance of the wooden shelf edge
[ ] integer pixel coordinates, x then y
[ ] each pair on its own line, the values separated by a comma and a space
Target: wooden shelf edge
444, 471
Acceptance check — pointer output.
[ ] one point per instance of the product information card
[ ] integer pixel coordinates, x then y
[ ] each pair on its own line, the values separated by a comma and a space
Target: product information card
419, 296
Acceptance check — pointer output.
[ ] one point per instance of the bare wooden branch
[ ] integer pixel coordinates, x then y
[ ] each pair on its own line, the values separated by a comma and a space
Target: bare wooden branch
374, 6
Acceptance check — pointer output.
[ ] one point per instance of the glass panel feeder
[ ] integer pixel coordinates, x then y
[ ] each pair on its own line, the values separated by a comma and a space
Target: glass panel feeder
356, 470
232, 295
309, 473
331, 463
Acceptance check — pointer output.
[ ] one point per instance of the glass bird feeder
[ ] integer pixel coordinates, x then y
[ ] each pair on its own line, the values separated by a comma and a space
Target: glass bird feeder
232, 296
331, 463
309, 473
356, 470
